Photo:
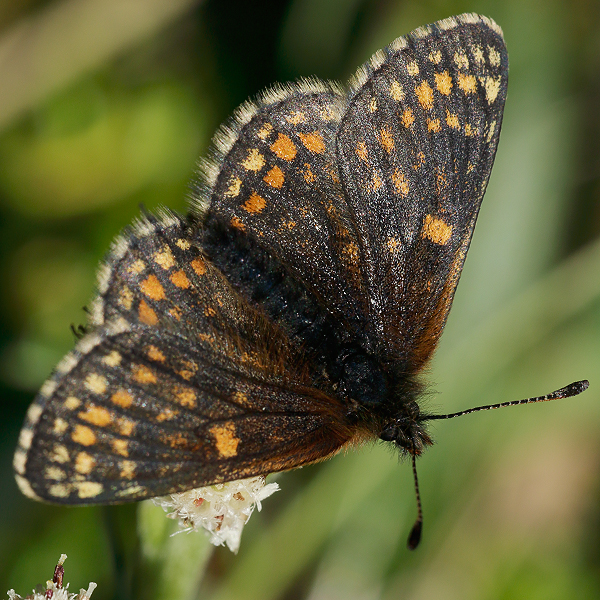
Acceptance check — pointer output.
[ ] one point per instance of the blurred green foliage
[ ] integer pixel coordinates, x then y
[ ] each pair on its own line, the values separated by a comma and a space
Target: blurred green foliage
510, 498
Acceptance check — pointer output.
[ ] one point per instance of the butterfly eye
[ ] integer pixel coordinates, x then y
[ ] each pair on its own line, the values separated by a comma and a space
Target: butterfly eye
389, 434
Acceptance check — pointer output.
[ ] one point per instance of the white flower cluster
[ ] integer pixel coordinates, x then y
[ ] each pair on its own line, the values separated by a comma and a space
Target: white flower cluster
222, 509
55, 590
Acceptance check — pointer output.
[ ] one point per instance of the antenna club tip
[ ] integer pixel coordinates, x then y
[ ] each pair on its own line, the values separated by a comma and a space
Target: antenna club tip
576, 388
415, 535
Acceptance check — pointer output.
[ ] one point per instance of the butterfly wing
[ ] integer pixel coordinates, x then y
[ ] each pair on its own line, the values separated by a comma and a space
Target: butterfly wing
174, 388
369, 200
415, 149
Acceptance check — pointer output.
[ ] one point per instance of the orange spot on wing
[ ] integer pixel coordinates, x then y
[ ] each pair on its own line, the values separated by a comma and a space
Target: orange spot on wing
125, 426
436, 230
83, 435
146, 314
361, 151
494, 56
136, 267
125, 297
350, 252
96, 383
153, 353
467, 83
387, 141
435, 57
127, 469
400, 182
226, 441
122, 398
255, 161
308, 175
421, 159
491, 86
470, 131
112, 359
198, 265
234, 188
190, 368
96, 415
313, 142
452, 120
164, 258
72, 403
377, 183
185, 396
407, 118
153, 288
394, 244
284, 148
241, 399
166, 415
143, 374
120, 447
274, 178
254, 204
84, 463
237, 224
443, 83
265, 131
424, 95
434, 125
412, 68
461, 60
396, 91
179, 278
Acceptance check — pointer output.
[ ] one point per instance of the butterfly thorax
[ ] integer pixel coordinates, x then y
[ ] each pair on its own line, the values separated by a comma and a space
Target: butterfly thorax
384, 398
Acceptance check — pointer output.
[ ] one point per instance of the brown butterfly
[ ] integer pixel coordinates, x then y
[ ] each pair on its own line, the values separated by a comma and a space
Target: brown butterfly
291, 313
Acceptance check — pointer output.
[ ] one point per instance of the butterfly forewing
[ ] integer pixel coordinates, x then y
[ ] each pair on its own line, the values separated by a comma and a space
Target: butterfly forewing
415, 149
150, 405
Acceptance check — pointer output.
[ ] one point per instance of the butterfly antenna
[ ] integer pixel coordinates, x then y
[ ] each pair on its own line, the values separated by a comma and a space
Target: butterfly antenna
415, 533
566, 392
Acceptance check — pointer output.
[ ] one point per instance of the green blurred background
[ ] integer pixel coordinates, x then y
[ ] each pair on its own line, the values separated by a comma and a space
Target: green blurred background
107, 104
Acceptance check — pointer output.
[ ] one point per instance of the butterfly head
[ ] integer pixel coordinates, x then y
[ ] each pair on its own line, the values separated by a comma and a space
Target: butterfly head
408, 430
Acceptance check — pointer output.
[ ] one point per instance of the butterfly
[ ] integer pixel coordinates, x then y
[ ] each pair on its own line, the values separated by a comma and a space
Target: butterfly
290, 314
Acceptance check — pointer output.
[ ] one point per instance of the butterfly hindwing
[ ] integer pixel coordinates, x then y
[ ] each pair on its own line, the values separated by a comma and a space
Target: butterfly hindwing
150, 405
415, 149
